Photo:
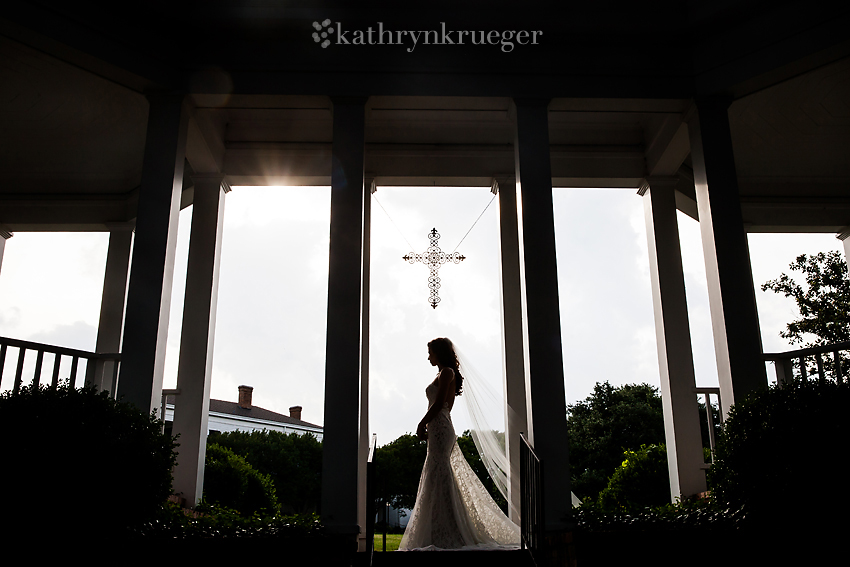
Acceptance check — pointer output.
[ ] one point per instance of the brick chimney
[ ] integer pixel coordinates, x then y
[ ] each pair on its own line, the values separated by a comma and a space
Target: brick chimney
295, 412
245, 396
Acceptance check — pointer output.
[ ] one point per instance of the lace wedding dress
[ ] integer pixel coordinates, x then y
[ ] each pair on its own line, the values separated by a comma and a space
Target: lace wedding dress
453, 510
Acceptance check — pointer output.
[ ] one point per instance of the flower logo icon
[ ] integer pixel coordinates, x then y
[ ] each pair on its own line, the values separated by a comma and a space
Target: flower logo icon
322, 32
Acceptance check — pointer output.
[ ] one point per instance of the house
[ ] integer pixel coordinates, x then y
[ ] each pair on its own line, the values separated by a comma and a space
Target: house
226, 416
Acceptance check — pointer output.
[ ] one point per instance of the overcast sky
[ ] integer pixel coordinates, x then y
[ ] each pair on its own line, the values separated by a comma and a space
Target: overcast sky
272, 297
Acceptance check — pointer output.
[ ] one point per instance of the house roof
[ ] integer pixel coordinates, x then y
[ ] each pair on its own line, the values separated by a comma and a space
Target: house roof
233, 408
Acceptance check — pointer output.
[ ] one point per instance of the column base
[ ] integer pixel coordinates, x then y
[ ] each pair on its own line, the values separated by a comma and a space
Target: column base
558, 549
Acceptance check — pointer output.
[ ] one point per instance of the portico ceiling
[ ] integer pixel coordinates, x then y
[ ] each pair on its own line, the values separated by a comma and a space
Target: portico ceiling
73, 113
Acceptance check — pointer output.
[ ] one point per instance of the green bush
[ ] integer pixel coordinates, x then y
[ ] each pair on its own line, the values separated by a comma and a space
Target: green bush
216, 521
683, 515
641, 481
779, 455
230, 481
292, 461
78, 462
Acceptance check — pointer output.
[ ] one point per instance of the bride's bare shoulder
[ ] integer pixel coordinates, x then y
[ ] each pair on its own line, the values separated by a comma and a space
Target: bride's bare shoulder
446, 374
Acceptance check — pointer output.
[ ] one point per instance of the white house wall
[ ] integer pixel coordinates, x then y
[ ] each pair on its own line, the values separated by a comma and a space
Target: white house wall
225, 423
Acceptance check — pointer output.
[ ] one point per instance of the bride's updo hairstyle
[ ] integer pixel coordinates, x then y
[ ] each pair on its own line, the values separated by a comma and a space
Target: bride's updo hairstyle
445, 353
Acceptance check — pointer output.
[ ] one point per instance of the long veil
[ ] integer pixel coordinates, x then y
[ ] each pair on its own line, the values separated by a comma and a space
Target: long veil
484, 406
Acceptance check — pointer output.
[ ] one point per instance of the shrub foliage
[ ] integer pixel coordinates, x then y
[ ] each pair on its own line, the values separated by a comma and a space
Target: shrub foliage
779, 444
77, 461
641, 481
230, 481
293, 462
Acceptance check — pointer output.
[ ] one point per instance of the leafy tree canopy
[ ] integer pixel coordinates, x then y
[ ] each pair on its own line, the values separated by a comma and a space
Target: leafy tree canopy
398, 466
823, 302
604, 425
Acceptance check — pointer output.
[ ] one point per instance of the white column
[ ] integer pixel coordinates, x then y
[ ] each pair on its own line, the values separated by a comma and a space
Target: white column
112, 304
4, 236
513, 337
548, 422
732, 300
673, 338
365, 439
194, 370
152, 270
341, 439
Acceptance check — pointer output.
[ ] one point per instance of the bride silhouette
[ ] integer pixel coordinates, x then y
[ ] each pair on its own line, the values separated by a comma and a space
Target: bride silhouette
453, 510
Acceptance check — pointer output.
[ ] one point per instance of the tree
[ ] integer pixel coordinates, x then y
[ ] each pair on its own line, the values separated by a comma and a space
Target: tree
292, 461
398, 466
824, 302
609, 421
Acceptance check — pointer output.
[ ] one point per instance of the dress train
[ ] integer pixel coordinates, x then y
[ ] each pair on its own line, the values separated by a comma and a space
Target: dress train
453, 510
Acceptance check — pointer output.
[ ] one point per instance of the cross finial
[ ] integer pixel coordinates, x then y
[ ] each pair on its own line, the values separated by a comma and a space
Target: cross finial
434, 258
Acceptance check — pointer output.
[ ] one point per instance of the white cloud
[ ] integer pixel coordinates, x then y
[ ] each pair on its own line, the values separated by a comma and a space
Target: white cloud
51, 279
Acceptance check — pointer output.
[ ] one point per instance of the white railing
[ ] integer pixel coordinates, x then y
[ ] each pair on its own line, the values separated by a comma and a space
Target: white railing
95, 363
708, 392
784, 362
164, 402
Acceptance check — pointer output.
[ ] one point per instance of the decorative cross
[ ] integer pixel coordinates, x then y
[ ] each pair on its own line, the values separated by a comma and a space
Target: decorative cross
434, 258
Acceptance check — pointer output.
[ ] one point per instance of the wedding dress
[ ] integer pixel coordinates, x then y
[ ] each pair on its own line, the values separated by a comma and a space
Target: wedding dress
453, 510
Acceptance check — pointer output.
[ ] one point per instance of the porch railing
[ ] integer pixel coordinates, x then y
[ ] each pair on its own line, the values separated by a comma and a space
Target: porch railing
531, 504
95, 363
371, 509
784, 362
708, 392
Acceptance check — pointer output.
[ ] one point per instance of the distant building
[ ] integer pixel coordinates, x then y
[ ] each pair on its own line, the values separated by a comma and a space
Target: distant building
244, 416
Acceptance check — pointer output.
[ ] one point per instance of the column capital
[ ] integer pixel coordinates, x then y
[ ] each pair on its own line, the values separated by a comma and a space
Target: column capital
531, 101
121, 226
348, 101
501, 179
213, 178
657, 181
843, 234
5, 233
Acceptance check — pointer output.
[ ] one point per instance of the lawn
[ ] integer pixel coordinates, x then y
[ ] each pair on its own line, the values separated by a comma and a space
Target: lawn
392, 542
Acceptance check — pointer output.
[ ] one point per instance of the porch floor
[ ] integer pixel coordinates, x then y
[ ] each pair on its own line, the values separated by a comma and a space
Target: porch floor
512, 558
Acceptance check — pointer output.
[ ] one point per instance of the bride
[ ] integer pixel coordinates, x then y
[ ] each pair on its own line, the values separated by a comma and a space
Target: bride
453, 510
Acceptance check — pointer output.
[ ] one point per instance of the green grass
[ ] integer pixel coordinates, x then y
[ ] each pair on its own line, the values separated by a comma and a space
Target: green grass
393, 540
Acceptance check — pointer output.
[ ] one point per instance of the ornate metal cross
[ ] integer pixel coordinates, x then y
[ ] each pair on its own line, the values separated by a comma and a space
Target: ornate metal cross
434, 258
